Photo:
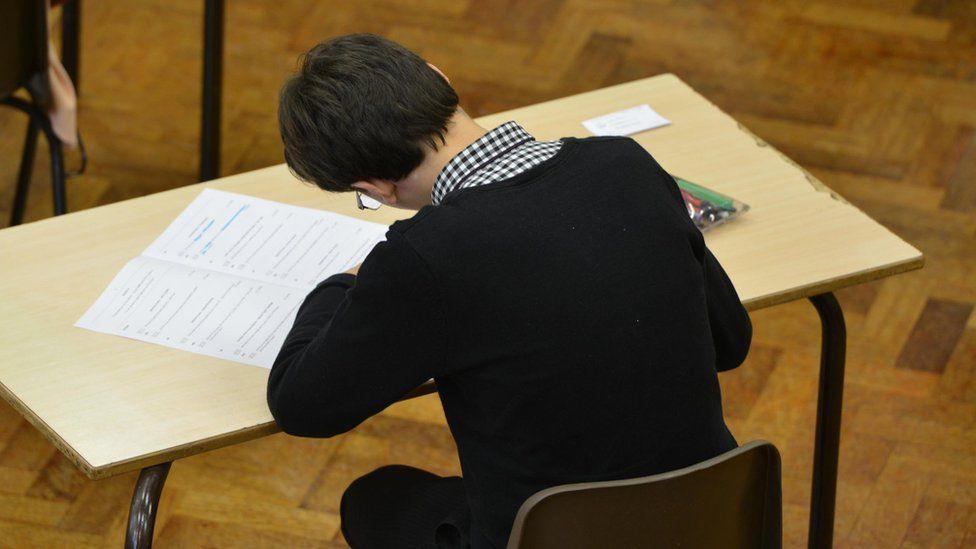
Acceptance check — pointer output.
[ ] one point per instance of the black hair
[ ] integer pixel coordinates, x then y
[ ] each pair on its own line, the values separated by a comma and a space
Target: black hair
361, 107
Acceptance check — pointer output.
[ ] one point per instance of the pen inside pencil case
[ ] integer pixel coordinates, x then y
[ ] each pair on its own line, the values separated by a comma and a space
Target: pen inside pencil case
708, 208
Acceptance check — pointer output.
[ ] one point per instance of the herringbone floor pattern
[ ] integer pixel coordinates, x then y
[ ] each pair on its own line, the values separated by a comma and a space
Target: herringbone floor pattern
877, 98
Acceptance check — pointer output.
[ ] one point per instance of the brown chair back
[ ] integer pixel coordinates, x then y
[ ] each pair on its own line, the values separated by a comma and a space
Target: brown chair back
23, 48
733, 500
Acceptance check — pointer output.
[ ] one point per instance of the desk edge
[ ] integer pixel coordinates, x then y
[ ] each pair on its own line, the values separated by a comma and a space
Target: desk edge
206, 444
911, 264
50, 434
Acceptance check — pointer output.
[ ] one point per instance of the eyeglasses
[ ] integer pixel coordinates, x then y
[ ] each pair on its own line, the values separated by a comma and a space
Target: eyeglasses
364, 202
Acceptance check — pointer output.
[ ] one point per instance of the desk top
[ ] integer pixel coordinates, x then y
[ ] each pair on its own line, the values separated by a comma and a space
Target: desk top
113, 404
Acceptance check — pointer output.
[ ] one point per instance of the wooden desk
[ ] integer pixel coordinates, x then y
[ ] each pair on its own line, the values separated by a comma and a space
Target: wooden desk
113, 405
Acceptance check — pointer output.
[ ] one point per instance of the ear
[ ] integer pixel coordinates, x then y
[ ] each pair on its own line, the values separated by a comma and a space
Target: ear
382, 190
438, 71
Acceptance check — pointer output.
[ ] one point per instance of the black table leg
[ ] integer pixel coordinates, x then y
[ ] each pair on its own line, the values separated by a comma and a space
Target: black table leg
142, 511
826, 447
70, 38
213, 53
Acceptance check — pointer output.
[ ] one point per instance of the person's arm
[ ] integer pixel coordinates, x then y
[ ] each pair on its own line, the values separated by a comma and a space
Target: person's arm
359, 344
728, 319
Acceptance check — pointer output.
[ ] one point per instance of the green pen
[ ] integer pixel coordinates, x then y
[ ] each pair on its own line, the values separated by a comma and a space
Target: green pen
719, 200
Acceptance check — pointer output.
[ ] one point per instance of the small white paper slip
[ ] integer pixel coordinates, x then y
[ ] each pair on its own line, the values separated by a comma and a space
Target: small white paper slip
626, 122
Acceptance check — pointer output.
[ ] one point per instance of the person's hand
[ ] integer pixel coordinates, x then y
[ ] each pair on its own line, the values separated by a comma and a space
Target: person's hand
354, 270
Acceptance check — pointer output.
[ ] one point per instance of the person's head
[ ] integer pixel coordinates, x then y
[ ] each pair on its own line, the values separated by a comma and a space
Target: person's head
363, 112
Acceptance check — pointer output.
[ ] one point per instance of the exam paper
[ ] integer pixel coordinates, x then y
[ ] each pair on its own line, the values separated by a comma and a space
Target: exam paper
196, 310
265, 240
626, 122
227, 276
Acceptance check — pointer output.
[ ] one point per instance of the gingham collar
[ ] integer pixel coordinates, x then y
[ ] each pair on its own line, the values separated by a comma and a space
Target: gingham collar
477, 156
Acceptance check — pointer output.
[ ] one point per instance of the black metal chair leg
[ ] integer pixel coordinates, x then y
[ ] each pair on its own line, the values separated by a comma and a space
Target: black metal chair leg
39, 119
24, 175
826, 449
57, 169
142, 511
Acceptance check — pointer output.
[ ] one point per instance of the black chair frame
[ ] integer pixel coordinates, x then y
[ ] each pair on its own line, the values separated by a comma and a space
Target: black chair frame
37, 120
30, 73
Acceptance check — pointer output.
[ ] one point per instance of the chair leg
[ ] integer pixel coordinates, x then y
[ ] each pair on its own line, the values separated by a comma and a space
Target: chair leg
24, 175
57, 172
39, 119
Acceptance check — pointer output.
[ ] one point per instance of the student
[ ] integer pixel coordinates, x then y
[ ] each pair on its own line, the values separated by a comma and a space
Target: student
557, 292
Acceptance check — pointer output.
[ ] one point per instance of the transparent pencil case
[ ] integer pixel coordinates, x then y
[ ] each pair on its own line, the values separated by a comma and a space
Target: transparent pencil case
708, 209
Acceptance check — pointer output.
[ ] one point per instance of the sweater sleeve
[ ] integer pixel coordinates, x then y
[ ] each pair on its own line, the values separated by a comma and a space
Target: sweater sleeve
728, 319
358, 344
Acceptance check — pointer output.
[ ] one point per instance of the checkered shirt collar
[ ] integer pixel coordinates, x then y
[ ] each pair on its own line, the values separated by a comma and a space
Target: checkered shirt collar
477, 156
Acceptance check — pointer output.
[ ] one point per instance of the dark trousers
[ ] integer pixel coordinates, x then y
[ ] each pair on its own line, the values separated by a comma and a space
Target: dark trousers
400, 506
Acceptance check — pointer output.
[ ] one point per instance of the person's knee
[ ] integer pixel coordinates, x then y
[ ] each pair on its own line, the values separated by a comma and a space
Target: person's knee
364, 492
354, 507
361, 486
372, 483
386, 472
363, 501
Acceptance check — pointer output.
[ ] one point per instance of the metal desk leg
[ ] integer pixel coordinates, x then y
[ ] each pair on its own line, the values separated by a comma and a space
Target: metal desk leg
142, 511
213, 54
829, 403
70, 37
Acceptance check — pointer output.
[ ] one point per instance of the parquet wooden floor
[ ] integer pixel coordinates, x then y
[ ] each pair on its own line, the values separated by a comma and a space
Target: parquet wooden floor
877, 98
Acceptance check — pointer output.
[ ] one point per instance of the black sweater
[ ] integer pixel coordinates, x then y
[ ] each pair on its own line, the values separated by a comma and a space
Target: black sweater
571, 315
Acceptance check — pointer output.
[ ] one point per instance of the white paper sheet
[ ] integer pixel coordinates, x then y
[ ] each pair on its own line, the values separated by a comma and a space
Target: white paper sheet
226, 277
626, 122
